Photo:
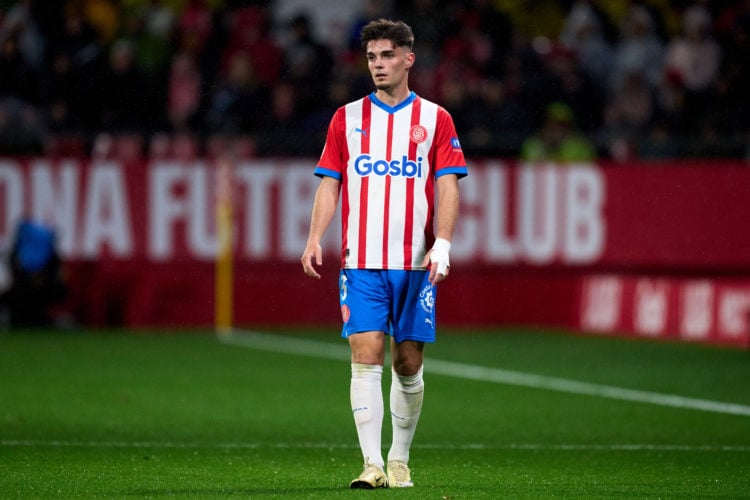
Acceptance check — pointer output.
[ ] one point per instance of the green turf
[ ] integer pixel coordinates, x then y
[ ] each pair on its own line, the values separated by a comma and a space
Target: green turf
114, 415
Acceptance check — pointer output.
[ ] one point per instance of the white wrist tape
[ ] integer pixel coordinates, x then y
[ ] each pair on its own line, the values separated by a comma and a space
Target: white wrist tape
440, 255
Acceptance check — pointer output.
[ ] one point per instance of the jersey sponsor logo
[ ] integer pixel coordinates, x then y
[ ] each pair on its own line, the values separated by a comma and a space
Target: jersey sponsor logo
418, 134
454, 143
365, 165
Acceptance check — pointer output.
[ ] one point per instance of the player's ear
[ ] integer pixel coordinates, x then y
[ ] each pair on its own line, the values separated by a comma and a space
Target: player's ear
410, 57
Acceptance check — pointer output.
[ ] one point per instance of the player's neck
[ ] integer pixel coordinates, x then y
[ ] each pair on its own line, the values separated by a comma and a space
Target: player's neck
393, 97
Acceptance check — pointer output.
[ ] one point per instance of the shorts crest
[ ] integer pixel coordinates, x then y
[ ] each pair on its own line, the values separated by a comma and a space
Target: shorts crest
345, 313
427, 299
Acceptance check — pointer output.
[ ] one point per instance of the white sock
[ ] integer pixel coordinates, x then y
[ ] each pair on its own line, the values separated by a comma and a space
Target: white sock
407, 393
366, 395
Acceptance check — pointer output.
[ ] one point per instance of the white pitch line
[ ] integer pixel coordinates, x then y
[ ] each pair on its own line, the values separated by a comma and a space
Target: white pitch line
327, 350
32, 443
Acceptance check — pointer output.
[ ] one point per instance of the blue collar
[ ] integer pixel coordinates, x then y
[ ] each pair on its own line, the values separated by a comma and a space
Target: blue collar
393, 109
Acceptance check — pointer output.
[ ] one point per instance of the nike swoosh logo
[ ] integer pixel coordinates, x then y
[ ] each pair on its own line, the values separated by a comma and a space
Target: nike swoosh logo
363, 132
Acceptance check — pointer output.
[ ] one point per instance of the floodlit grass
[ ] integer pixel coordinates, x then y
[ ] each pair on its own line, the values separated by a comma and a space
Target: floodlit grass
118, 414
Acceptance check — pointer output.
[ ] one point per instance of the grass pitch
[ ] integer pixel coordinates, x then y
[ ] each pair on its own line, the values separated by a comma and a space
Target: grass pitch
118, 414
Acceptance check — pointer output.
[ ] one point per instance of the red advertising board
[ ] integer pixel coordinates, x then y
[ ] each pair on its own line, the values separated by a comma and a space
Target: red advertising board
715, 310
531, 247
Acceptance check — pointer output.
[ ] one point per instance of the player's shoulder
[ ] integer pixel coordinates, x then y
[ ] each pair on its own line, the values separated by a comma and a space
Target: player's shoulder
439, 109
348, 109
356, 103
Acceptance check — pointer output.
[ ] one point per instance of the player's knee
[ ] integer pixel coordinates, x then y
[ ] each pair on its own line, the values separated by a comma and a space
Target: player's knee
406, 367
407, 358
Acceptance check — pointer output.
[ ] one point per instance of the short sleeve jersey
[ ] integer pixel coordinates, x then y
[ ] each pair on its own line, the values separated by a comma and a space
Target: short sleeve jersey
387, 159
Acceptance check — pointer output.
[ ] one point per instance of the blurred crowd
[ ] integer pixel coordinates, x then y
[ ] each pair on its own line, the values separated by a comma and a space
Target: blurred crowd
625, 78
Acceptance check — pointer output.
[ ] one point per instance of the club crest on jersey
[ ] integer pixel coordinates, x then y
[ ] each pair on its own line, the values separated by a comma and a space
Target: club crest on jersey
418, 134
365, 165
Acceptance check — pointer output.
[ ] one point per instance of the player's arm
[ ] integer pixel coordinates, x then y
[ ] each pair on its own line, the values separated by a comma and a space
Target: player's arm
446, 218
324, 207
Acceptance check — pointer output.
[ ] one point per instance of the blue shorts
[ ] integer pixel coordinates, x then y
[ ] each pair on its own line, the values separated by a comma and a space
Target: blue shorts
399, 303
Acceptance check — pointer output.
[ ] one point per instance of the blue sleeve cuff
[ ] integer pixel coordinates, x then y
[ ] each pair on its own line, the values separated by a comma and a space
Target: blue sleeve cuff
325, 172
458, 171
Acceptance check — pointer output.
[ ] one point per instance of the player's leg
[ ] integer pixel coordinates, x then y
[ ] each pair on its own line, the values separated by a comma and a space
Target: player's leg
415, 325
366, 393
406, 396
365, 322
368, 351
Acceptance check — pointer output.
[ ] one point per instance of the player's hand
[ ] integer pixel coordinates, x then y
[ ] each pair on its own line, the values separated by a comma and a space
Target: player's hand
312, 251
439, 260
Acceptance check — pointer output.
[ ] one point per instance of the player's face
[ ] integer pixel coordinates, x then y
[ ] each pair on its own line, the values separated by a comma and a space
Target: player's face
389, 65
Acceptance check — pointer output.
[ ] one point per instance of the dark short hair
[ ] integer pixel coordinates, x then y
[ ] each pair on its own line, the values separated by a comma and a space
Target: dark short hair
398, 32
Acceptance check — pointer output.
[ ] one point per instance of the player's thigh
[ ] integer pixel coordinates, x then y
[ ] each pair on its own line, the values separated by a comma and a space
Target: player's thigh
365, 298
413, 306
368, 347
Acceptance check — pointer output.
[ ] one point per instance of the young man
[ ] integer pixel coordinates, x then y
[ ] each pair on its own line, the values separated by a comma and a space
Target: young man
386, 154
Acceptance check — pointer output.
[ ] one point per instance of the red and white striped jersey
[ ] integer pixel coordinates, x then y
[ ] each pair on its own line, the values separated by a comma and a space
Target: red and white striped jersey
387, 159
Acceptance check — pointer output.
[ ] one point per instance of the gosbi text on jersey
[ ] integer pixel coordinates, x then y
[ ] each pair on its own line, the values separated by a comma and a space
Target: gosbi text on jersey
387, 159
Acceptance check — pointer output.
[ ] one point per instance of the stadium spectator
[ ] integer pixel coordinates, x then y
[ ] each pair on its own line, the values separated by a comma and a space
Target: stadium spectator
466, 54
22, 127
494, 120
249, 37
239, 102
150, 25
495, 24
730, 109
582, 33
19, 23
61, 95
425, 18
102, 15
660, 143
630, 110
558, 140
78, 39
670, 103
122, 91
37, 276
18, 80
566, 82
695, 58
307, 63
638, 49
75, 51
283, 126
194, 26
184, 93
